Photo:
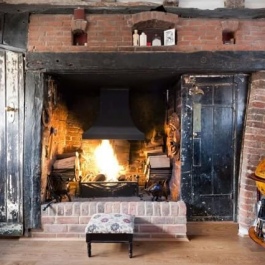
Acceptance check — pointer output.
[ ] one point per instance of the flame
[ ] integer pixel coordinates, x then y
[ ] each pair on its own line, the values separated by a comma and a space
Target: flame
106, 161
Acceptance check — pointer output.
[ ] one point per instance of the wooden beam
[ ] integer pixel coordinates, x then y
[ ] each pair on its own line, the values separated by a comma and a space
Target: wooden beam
15, 30
158, 62
11, 48
32, 150
109, 8
1, 27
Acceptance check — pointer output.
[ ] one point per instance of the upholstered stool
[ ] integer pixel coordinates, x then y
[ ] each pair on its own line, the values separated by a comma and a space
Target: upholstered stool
110, 228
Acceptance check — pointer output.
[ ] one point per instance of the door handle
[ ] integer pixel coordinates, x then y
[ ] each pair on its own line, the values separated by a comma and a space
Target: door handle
195, 134
8, 108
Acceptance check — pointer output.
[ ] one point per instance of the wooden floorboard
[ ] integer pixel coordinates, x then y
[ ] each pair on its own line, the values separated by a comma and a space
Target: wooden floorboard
200, 250
212, 228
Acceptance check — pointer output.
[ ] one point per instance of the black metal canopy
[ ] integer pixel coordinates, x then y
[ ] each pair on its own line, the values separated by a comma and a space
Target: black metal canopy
114, 120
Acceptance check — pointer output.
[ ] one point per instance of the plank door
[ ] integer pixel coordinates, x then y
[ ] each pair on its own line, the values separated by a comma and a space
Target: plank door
212, 122
11, 143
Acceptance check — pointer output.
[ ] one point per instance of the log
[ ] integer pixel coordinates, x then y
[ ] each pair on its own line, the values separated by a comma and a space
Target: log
161, 161
65, 163
153, 150
65, 155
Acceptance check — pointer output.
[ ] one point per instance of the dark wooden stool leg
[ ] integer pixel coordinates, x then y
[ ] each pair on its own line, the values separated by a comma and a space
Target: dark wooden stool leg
130, 249
89, 249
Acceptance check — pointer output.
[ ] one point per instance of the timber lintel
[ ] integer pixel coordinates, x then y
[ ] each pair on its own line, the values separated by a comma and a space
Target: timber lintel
110, 8
195, 62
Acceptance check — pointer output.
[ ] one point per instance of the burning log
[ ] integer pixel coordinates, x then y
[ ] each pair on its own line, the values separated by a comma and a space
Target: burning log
100, 177
122, 178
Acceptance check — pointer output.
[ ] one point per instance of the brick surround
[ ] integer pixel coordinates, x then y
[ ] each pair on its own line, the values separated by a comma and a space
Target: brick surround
154, 220
113, 32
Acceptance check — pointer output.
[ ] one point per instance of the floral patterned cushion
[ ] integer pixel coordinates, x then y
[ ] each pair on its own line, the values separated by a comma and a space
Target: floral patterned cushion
111, 223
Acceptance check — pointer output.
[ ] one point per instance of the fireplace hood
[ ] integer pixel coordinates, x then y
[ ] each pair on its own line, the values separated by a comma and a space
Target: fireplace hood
114, 120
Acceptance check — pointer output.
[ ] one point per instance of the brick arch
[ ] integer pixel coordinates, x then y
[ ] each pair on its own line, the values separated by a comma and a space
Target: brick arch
230, 25
169, 19
153, 24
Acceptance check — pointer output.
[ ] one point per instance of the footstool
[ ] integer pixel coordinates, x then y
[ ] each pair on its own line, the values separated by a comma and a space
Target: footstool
110, 228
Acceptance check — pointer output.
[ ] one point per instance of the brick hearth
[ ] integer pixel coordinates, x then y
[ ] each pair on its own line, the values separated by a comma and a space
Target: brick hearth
154, 220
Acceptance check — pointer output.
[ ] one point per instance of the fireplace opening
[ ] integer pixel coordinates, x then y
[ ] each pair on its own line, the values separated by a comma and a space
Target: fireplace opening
75, 167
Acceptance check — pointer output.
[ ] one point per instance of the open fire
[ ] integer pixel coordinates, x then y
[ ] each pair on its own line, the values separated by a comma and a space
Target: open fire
107, 162
111, 177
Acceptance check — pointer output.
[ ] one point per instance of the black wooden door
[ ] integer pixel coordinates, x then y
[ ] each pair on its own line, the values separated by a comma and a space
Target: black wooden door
11, 143
212, 121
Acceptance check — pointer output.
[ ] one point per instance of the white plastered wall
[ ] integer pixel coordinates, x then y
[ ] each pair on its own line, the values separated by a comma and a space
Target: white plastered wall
201, 4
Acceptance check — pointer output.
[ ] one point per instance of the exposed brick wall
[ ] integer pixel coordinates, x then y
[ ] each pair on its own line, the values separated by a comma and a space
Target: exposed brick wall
114, 33
54, 119
253, 150
141, 17
74, 133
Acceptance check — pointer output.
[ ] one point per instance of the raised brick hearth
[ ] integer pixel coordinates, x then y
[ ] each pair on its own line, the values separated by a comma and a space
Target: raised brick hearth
154, 220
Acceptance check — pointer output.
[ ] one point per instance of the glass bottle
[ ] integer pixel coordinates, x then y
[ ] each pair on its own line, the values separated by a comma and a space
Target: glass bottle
136, 38
143, 39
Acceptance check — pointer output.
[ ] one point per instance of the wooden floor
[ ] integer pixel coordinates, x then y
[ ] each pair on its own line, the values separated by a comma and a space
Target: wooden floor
213, 248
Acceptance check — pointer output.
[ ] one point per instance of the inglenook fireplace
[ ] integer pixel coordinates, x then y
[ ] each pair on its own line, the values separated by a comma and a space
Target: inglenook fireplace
92, 142
71, 107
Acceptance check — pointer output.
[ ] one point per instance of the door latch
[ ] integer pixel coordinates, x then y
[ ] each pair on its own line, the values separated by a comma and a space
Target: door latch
11, 112
8, 108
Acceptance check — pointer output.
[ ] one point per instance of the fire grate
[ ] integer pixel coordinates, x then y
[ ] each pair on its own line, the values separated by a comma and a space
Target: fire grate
108, 189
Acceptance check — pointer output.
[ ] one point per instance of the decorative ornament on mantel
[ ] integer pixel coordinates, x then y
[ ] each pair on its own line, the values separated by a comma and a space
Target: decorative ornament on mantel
79, 22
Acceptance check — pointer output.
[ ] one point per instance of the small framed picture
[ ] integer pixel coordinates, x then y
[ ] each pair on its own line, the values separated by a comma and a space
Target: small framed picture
169, 37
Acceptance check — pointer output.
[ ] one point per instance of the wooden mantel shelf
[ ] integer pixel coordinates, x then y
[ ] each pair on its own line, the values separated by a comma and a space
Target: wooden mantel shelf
253, 236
